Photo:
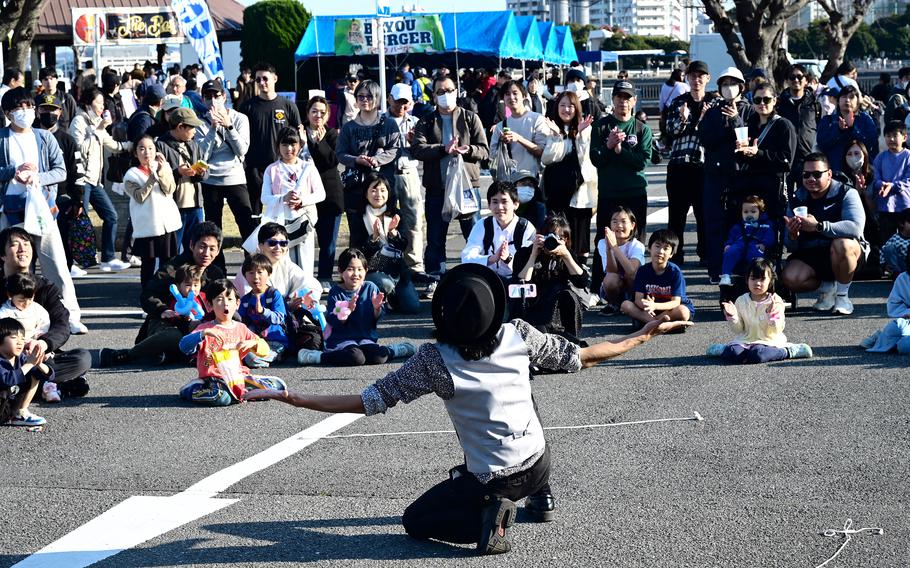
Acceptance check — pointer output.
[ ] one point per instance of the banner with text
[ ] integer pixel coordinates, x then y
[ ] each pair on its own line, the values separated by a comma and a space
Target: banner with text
126, 26
405, 34
196, 23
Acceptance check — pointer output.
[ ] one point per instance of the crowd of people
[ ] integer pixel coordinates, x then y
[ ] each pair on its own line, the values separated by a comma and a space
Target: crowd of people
766, 172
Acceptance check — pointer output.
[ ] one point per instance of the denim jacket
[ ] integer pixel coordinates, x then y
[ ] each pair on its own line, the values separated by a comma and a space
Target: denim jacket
51, 169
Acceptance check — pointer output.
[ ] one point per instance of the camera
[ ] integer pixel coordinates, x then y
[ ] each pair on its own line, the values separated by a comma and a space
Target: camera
551, 241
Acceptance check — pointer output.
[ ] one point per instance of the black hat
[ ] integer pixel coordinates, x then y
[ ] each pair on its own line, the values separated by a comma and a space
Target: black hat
468, 305
575, 75
623, 87
48, 99
697, 67
213, 86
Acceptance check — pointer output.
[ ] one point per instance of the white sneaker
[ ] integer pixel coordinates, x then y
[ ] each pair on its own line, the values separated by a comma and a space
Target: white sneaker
135, 261
843, 305
50, 392
825, 301
78, 328
77, 272
725, 280
115, 265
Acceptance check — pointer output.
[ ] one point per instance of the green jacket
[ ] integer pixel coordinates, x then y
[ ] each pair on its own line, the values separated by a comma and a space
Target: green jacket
623, 174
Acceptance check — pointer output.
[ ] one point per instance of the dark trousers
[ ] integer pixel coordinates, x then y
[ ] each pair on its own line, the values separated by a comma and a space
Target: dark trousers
685, 183
753, 353
740, 253
435, 257
68, 365
327, 227
605, 207
451, 511
64, 221
254, 187
715, 222
580, 225
357, 355
238, 200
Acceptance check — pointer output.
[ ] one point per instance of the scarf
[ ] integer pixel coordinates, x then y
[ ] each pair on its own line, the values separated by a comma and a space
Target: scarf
369, 218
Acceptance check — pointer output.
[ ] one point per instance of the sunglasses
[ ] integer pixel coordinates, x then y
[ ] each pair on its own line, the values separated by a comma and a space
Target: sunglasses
817, 174
261, 79
442, 92
364, 97
276, 243
762, 100
797, 77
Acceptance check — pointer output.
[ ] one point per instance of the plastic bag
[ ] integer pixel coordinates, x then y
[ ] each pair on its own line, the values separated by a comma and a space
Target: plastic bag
228, 364
503, 164
38, 217
462, 198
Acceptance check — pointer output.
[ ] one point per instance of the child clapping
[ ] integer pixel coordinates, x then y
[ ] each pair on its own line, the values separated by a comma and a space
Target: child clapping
660, 288
759, 318
262, 310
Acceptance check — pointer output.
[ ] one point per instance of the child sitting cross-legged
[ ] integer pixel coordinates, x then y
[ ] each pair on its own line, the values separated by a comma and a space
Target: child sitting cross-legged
894, 251
895, 335
262, 310
660, 288
20, 372
354, 308
220, 345
21, 306
758, 316
748, 239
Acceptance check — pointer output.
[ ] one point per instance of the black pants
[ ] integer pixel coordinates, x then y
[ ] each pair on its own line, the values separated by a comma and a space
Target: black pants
451, 511
68, 365
254, 187
605, 207
238, 199
357, 355
685, 183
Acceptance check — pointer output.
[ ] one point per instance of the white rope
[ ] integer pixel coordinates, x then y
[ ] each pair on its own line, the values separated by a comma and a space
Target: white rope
696, 417
848, 532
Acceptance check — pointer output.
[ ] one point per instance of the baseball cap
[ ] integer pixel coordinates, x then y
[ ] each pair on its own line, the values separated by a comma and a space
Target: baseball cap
184, 116
623, 87
697, 67
48, 100
171, 102
213, 86
401, 91
731, 72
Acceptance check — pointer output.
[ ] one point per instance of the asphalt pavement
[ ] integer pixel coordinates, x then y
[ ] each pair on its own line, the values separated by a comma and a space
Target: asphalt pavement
784, 451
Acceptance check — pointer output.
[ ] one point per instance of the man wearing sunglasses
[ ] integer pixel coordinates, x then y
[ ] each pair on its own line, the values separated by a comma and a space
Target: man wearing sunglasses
268, 114
825, 236
800, 106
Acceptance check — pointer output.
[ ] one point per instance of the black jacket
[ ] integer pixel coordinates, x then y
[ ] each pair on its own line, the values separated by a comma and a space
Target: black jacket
323, 153
73, 162
775, 151
717, 135
804, 114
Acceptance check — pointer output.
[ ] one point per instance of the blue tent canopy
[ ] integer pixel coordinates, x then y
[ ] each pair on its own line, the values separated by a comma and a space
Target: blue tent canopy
491, 34
548, 40
530, 36
597, 57
565, 45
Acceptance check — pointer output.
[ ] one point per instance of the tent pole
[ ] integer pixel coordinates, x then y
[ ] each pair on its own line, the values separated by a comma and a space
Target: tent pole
380, 36
318, 63
457, 66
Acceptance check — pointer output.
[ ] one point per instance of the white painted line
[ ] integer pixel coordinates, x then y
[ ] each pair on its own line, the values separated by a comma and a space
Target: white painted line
107, 276
112, 312
142, 518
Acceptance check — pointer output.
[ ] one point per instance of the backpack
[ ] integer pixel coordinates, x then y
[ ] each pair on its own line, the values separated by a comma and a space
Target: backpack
517, 238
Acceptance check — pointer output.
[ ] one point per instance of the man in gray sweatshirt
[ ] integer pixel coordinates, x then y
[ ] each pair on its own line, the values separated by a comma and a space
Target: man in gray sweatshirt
223, 140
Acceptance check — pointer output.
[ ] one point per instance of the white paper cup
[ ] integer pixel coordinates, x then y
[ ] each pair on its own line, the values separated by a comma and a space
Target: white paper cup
801, 211
742, 134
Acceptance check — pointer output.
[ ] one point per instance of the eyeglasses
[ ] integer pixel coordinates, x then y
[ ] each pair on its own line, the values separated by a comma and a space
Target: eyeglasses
815, 175
442, 92
364, 97
762, 100
797, 78
276, 243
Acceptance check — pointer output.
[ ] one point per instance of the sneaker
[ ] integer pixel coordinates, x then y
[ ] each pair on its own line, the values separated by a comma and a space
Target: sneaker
843, 305
108, 357
870, 341
541, 507
715, 349
496, 517
115, 265
135, 261
75, 388
402, 350
78, 328
725, 280
825, 302
50, 392
309, 357
26, 419
609, 310
428, 293
76, 272
799, 351
326, 286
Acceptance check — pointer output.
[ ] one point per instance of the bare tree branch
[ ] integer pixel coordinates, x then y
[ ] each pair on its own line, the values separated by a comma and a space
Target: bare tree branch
24, 32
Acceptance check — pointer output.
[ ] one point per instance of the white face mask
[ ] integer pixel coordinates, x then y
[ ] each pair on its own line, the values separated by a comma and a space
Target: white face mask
575, 87
855, 162
729, 92
23, 117
447, 100
525, 193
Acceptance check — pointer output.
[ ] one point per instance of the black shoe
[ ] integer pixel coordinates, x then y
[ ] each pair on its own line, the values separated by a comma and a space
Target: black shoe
609, 310
541, 507
108, 357
423, 279
498, 516
75, 388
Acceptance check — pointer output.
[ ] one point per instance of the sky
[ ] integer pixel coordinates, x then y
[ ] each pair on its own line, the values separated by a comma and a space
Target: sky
318, 8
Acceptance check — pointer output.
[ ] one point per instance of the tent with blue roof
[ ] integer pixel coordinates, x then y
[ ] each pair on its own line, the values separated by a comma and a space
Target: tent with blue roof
530, 36
565, 47
551, 52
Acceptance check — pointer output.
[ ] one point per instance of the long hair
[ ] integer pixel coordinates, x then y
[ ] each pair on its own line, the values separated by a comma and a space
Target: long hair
865, 170
553, 112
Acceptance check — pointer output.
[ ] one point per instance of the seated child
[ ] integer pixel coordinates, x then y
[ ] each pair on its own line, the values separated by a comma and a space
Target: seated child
897, 333
354, 308
494, 241
21, 306
747, 240
758, 316
161, 333
550, 266
220, 345
893, 253
262, 310
660, 288
20, 373
626, 254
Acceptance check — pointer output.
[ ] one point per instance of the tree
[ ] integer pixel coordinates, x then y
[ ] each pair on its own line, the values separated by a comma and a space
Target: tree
580, 34
20, 16
839, 29
863, 43
271, 31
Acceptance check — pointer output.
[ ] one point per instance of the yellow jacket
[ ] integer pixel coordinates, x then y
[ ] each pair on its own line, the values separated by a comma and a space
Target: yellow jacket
754, 325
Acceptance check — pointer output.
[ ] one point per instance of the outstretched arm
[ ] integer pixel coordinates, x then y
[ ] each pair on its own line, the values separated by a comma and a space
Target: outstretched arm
599, 352
331, 403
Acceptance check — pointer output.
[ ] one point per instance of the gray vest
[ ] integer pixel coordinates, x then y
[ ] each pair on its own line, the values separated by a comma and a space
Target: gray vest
492, 410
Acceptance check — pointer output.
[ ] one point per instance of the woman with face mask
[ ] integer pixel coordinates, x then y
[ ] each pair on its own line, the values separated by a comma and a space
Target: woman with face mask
857, 166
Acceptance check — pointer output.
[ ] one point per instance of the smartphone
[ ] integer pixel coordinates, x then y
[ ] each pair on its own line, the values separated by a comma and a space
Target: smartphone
522, 290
